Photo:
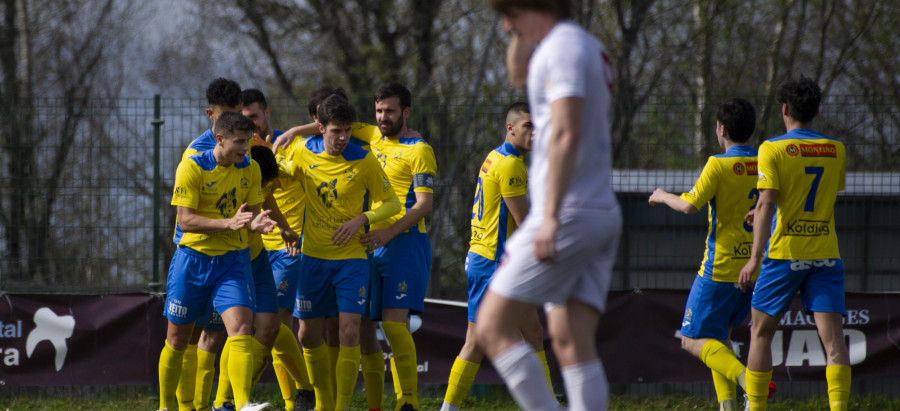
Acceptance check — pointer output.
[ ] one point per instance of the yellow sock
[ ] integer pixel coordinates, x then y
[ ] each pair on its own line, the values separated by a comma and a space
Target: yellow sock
240, 368
285, 383
287, 352
462, 376
725, 388
206, 368
404, 350
169, 373
758, 388
185, 389
838, 377
347, 371
319, 365
543, 356
224, 392
373, 379
398, 393
333, 352
260, 355
721, 359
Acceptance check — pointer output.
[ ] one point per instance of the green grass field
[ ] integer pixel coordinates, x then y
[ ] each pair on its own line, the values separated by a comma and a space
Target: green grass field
494, 398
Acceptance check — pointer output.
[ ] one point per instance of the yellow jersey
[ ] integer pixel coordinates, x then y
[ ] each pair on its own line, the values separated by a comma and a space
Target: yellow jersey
215, 192
808, 170
728, 184
503, 174
338, 188
290, 197
409, 164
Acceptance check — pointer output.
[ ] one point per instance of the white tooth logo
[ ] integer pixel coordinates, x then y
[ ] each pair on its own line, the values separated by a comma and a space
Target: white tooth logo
53, 328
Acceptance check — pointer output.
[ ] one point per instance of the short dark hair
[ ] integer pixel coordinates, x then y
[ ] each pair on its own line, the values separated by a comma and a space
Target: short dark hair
394, 90
252, 95
320, 94
738, 117
231, 122
223, 92
519, 107
268, 167
562, 9
336, 110
802, 96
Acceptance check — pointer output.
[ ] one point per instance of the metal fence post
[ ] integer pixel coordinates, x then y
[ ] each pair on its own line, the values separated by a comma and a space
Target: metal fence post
157, 123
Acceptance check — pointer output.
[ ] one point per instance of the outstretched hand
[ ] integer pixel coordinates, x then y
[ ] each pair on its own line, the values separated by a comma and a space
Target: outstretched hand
262, 223
240, 218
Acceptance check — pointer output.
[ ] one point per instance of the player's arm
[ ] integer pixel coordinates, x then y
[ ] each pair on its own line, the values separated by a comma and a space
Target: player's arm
517, 55
660, 196
191, 222
565, 125
518, 207
285, 139
290, 237
762, 230
388, 208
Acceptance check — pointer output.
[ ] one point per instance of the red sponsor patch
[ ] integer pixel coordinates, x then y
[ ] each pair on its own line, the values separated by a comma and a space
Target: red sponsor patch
818, 150
486, 165
738, 168
792, 150
752, 168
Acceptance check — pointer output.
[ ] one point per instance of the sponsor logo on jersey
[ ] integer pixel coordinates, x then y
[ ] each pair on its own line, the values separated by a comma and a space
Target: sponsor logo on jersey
752, 168
350, 174
818, 150
738, 168
245, 182
792, 150
806, 228
516, 181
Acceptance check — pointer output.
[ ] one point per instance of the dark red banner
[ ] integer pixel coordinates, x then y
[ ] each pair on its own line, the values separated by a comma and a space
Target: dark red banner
116, 339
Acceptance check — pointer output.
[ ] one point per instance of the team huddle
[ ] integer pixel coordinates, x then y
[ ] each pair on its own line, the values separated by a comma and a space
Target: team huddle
330, 229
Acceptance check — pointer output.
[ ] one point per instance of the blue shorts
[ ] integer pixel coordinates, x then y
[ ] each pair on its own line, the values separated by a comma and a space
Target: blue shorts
327, 287
286, 270
264, 284
210, 320
713, 308
479, 271
820, 282
196, 278
403, 266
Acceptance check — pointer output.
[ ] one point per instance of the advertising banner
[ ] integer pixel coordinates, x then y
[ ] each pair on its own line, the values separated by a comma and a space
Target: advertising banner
116, 339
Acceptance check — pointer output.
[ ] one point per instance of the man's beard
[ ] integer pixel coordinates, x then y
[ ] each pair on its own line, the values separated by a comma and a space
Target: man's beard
395, 128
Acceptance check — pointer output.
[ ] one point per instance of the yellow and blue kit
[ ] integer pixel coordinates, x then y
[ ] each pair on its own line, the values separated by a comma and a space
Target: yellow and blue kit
808, 169
503, 174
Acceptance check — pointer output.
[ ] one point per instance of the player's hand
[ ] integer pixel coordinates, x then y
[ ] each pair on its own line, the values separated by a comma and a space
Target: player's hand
345, 232
749, 217
376, 238
656, 196
410, 133
545, 240
283, 140
745, 278
240, 218
262, 223
291, 238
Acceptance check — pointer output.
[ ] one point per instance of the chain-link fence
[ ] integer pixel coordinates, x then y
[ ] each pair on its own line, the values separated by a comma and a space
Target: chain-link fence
80, 213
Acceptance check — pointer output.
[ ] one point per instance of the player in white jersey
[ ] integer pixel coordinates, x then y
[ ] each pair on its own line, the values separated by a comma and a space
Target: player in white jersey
562, 255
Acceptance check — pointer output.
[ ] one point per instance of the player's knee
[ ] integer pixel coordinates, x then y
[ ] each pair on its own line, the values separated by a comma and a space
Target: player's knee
534, 335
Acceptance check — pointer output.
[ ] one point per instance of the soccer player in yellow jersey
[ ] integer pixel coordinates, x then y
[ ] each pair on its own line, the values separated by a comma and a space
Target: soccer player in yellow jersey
285, 260
800, 174
500, 205
716, 304
340, 181
217, 194
402, 255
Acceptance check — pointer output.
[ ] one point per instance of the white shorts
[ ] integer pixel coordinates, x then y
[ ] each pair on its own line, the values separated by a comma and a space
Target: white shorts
586, 246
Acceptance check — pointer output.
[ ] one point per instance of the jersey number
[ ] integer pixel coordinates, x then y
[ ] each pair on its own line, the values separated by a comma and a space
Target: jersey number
811, 196
754, 194
479, 200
